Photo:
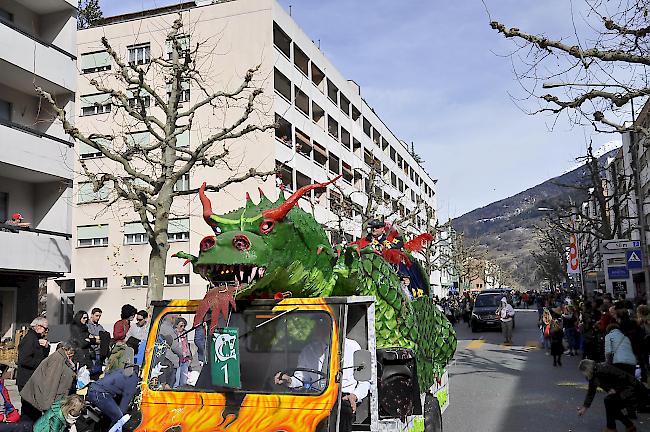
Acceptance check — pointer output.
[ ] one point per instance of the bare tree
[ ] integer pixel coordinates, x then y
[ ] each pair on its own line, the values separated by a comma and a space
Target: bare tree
551, 257
145, 174
595, 74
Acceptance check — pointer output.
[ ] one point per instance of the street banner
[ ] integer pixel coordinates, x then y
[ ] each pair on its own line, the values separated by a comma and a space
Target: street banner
573, 264
224, 358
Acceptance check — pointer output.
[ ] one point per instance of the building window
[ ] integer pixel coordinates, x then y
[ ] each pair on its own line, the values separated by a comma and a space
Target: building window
303, 180
139, 54
95, 104
355, 113
184, 91
333, 127
317, 77
66, 305
320, 154
138, 98
344, 104
347, 172
281, 40
367, 129
183, 41
334, 164
183, 183
86, 193
301, 60
283, 131
318, 115
333, 92
96, 283
303, 143
285, 175
92, 235
177, 279
136, 281
5, 111
301, 101
178, 230
95, 62
135, 234
282, 85
88, 152
345, 138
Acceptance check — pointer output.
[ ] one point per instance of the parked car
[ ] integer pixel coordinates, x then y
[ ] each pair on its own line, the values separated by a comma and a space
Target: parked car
485, 307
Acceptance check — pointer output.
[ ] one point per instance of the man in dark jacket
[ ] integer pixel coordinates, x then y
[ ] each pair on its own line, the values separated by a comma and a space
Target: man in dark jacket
623, 391
32, 350
113, 393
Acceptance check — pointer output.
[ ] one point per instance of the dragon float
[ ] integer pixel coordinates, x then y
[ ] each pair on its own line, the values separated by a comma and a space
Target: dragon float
277, 249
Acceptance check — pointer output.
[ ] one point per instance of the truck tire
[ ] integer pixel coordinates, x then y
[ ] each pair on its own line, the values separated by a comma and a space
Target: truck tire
432, 414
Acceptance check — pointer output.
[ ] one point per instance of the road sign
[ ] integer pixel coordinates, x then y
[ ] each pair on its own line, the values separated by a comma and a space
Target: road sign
633, 259
224, 358
618, 272
613, 246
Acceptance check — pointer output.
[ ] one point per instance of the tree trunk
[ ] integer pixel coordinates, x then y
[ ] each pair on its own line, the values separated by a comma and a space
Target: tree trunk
158, 261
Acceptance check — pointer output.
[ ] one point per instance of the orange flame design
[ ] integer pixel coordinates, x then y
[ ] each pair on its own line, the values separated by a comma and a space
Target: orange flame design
202, 411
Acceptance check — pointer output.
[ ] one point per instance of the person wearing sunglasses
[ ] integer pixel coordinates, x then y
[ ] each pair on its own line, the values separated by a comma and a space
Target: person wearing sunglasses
32, 350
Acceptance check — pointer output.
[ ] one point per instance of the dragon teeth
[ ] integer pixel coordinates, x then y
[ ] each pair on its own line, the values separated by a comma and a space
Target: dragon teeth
261, 271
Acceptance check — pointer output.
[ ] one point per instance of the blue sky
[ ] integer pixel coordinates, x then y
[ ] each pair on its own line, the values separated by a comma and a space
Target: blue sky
436, 73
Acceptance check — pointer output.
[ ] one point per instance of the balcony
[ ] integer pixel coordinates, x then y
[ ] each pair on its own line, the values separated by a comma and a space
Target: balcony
34, 250
36, 151
55, 69
43, 7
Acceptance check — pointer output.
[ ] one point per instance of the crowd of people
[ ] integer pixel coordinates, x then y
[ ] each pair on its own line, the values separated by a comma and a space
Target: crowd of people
48, 377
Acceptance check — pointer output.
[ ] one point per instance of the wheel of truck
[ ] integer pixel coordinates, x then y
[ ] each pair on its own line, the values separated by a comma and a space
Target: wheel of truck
432, 414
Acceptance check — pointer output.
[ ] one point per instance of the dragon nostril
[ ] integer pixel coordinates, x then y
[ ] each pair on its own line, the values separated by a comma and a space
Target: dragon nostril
207, 243
241, 243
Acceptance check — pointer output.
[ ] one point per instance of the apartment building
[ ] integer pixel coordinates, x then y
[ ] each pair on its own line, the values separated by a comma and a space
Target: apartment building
326, 129
37, 48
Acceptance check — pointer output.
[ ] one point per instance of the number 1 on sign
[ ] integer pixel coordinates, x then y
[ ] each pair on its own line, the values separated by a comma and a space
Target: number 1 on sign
224, 368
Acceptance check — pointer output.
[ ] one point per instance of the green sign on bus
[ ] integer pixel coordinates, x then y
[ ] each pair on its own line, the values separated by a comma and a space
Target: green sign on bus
224, 358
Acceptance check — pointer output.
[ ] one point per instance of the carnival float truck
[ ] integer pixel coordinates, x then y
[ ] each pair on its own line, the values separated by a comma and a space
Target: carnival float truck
276, 282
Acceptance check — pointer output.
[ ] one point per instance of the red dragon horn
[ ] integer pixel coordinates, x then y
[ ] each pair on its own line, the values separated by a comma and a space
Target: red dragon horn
280, 212
207, 205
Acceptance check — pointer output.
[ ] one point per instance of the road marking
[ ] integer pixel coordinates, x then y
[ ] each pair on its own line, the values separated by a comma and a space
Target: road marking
532, 344
577, 385
475, 344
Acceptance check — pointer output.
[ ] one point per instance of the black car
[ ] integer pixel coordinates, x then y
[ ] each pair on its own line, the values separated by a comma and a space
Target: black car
485, 307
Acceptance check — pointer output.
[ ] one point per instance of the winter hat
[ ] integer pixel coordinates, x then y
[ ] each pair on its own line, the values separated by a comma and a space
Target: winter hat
504, 300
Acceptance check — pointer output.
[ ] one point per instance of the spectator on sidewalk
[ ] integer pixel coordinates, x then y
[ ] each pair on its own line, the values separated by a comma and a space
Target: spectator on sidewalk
569, 324
618, 350
623, 391
61, 416
118, 385
138, 332
32, 350
557, 343
121, 327
80, 336
52, 380
643, 318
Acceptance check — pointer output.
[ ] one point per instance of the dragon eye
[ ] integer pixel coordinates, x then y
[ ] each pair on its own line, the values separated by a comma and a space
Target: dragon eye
267, 226
216, 230
208, 243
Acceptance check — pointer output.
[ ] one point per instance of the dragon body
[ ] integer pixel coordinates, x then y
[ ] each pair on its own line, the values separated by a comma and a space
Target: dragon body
275, 247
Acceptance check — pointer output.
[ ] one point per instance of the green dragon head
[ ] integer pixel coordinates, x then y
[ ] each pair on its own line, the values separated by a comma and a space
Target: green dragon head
264, 245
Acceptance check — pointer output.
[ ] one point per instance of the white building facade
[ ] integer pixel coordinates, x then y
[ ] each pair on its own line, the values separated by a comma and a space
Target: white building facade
326, 129
37, 49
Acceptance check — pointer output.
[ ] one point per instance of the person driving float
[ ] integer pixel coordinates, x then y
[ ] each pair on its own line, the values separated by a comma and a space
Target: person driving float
379, 238
311, 373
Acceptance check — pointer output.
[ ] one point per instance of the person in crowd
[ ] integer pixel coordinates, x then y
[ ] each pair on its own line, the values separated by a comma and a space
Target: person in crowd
9, 415
61, 415
32, 350
545, 329
557, 342
80, 336
622, 391
643, 319
587, 325
618, 350
405, 284
138, 332
17, 221
569, 324
113, 393
506, 313
633, 331
200, 342
52, 380
121, 327
170, 360
186, 354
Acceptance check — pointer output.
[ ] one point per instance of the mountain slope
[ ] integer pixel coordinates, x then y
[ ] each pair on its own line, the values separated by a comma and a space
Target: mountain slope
505, 228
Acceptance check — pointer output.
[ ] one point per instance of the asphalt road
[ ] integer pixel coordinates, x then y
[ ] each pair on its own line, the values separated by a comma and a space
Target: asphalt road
495, 388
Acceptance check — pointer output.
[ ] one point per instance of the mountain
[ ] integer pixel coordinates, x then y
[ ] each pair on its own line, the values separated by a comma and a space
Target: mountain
505, 228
